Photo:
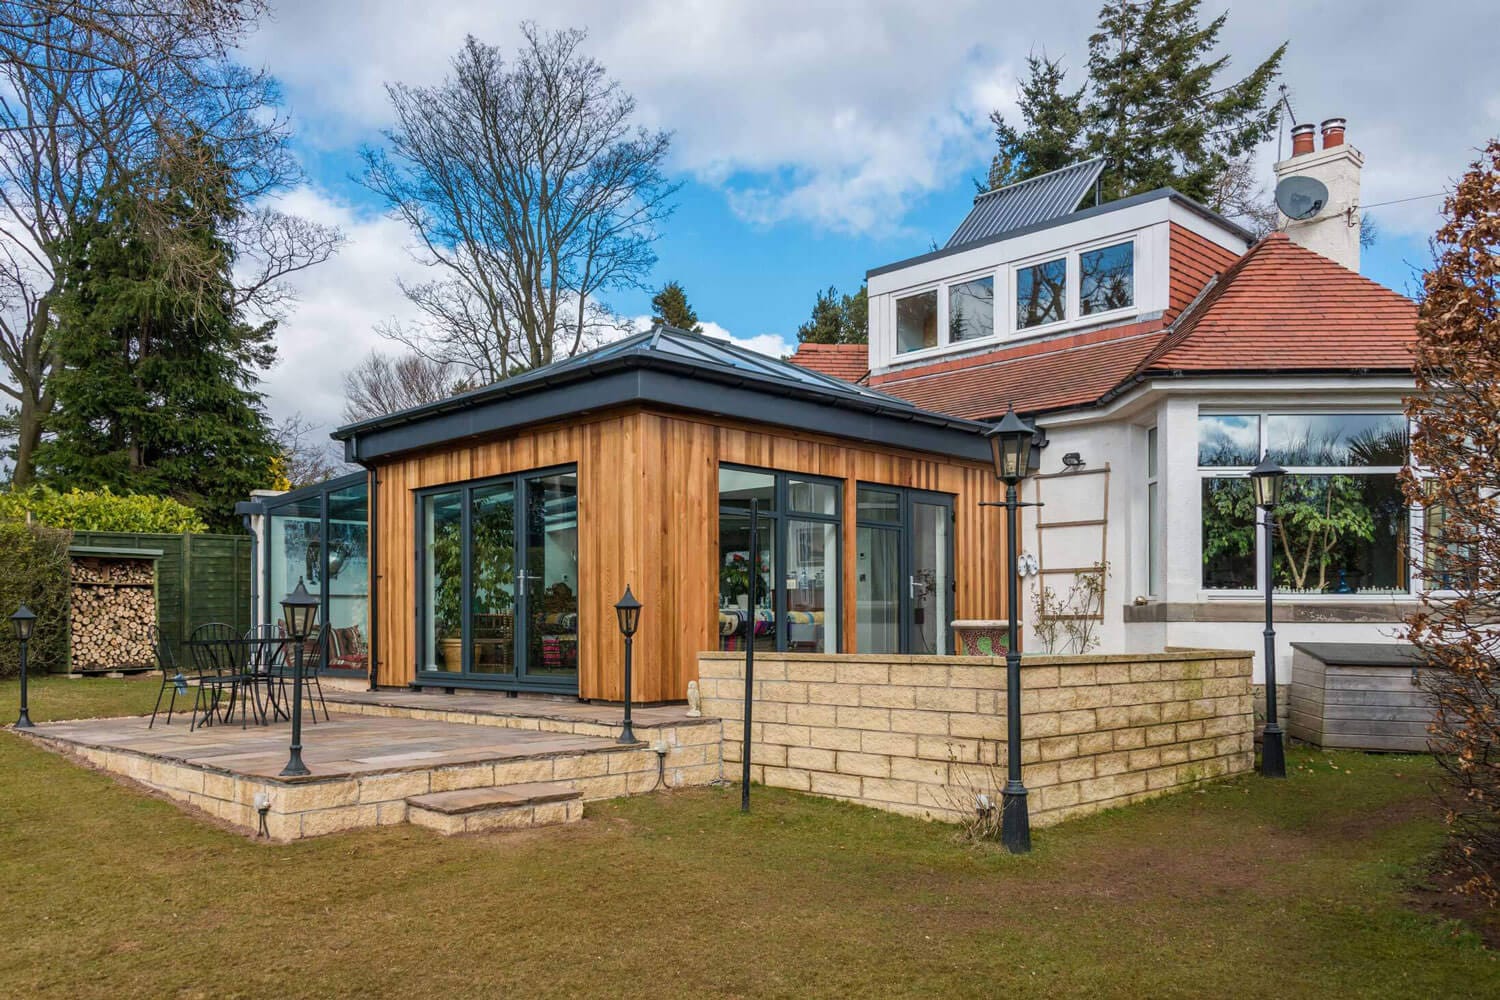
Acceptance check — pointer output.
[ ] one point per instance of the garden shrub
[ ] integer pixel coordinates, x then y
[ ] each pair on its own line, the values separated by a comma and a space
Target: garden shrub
101, 510
34, 571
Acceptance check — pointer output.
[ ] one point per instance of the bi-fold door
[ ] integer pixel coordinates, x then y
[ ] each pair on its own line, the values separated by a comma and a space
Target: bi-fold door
904, 581
497, 565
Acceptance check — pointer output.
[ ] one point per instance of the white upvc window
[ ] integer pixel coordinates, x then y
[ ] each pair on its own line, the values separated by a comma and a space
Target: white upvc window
1093, 283
1153, 514
1343, 525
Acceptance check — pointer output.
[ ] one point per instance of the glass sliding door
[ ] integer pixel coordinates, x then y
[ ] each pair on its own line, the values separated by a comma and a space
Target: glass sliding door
904, 578
549, 584
492, 580
442, 581
930, 581
498, 596
796, 570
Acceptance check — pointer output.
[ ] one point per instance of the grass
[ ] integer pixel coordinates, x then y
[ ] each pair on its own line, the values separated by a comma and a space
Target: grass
1299, 888
51, 698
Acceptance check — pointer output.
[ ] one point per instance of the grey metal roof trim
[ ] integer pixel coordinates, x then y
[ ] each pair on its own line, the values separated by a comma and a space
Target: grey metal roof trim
1112, 206
698, 373
1027, 203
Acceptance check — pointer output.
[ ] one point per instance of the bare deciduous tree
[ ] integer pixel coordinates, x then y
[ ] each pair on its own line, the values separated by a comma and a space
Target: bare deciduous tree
530, 195
93, 92
1238, 194
381, 384
1456, 481
308, 455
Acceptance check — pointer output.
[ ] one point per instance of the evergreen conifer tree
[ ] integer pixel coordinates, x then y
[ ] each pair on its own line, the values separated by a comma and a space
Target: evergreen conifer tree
1151, 105
670, 306
156, 380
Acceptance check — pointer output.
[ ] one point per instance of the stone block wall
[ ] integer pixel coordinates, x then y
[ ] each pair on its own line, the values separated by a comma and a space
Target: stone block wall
922, 735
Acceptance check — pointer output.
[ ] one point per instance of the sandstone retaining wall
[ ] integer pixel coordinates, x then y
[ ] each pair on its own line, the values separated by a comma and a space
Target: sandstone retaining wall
922, 734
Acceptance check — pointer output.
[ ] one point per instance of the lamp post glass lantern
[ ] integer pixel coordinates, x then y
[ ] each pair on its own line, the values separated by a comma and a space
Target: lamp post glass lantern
1268, 479
628, 610
1010, 444
299, 613
21, 623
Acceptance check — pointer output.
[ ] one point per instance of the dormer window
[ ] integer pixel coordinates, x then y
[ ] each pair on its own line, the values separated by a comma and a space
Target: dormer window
1106, 278
1041, 293
971, 309
916, 322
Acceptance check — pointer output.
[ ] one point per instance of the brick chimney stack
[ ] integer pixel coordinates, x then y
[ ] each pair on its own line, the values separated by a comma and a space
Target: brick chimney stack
1334, 231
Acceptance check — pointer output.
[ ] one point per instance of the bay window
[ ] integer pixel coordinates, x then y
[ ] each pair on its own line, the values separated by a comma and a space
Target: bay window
1342, 523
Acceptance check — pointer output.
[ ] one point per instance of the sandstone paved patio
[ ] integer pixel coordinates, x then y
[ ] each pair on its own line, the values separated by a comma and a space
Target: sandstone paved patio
345, 745
365, 767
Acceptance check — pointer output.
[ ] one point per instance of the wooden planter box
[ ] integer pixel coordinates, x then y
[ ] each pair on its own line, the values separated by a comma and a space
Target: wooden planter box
1358, 696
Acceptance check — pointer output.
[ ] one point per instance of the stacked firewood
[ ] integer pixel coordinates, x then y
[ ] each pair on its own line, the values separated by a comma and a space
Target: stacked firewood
112, 614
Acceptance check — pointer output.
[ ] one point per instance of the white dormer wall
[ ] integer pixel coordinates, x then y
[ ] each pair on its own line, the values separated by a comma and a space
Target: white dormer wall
1147, 224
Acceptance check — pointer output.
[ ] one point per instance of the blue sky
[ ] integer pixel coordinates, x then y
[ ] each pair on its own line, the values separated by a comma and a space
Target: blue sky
815, 140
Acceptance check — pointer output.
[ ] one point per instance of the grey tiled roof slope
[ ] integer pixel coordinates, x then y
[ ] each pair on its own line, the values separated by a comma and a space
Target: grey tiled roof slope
1026, 203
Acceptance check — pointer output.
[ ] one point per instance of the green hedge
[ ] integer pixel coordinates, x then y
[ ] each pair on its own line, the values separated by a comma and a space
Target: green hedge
100, 511
35, 571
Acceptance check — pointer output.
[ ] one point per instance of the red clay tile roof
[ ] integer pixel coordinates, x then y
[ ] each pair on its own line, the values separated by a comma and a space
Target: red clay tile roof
1279, 308
1283, 307
1051, 375
850, 362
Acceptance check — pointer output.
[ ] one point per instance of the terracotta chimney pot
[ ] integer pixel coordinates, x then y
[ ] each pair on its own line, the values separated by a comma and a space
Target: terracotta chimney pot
1333, 132
1302, 138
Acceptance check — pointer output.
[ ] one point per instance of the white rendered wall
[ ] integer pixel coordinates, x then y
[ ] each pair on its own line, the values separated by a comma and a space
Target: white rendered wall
1118, 437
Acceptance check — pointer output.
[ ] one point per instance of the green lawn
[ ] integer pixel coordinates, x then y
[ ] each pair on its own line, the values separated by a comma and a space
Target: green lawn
1247, 887
52, 698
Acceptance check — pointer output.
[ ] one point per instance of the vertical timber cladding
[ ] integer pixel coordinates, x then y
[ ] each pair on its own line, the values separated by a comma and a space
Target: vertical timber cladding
648, 515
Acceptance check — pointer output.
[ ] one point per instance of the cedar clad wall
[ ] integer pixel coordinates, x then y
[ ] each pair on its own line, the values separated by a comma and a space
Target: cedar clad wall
648, 516
1194, 261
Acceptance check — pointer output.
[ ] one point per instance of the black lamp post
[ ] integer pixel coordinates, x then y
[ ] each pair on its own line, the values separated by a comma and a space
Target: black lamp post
1010, 441
22, 622
629, 611
1268, 478
299, 610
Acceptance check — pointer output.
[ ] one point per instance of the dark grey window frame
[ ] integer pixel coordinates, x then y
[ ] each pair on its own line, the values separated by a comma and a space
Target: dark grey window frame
466, 678
271, 603
779, 519
906, 497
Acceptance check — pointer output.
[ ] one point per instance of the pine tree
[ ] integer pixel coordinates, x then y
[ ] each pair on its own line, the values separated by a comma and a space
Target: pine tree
1150, 106
1054, 126
670, 306
156, 378
838, 319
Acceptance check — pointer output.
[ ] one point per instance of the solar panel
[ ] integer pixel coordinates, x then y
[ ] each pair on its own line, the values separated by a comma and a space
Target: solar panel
1026, 203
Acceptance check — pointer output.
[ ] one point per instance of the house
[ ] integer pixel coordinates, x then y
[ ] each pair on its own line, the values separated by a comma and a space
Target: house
1161, 351
505, 523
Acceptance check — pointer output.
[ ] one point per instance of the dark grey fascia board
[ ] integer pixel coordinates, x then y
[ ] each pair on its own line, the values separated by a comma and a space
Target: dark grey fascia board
659, 385
1087, 213
265, 504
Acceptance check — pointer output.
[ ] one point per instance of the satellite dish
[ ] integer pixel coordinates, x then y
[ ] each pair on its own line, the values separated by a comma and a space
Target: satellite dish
1301, 197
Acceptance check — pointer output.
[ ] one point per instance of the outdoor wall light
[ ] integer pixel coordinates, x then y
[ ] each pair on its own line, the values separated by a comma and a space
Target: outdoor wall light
21, 623
1010, 445
1073, 460
1268, 478
628, 609
299, 612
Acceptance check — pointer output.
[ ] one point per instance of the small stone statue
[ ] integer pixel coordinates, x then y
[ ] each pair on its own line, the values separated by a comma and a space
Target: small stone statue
694, 710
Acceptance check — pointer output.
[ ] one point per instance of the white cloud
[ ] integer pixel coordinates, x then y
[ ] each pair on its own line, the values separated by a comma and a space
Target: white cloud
842, 113
339, 304
772, 344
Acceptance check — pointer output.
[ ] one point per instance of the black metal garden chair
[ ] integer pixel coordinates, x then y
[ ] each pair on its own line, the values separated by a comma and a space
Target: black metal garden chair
265, 658
171, 676
222, 677
313, 648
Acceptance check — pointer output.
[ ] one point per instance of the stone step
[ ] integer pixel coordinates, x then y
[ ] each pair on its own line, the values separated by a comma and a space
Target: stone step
500, 807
